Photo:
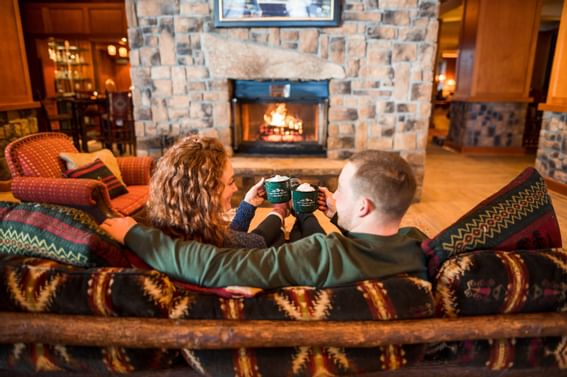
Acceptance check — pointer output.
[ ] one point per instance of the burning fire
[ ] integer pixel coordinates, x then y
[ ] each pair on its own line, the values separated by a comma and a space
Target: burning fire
280, 126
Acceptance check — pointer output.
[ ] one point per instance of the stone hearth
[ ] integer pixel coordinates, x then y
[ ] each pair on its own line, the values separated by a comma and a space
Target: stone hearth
379, 63
317, 171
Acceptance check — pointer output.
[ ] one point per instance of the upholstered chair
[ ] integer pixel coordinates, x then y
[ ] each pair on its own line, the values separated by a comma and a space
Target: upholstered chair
38, 176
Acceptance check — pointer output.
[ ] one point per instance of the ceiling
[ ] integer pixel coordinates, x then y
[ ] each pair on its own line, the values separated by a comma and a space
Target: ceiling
452, 14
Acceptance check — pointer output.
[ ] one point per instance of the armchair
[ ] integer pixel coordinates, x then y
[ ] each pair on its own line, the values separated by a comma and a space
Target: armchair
37, 176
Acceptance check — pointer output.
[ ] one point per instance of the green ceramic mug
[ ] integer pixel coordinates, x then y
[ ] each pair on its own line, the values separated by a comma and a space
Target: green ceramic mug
277, 189
304, 201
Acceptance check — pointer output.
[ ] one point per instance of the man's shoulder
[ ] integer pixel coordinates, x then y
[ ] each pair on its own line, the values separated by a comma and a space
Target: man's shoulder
413, 232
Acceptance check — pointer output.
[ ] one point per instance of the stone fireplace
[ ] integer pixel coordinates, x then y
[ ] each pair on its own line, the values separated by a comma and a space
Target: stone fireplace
378, 64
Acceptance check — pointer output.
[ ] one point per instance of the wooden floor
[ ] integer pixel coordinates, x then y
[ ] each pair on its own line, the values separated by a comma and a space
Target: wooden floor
454, 184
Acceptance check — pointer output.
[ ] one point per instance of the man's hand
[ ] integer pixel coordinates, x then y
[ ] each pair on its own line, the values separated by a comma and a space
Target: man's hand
118, 227
326, 202
255, 196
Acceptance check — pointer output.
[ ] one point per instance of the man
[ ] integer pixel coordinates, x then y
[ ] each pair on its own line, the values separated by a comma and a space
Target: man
374, 191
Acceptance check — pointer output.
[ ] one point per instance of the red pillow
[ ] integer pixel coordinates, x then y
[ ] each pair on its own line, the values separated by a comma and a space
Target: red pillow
98, 170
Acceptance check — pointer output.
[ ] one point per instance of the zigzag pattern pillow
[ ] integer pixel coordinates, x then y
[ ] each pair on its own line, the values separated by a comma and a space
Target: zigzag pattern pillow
60, 233
518, 217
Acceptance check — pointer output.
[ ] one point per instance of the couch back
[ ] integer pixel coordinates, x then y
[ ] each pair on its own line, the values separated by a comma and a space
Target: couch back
37, 155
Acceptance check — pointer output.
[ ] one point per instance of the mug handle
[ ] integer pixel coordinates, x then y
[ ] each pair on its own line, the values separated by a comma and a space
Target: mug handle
294, 182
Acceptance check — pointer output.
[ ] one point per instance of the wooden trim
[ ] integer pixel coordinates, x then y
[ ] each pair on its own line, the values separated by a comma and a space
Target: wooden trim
556, 186
487, 151
556, 92
20, 106
221, 334
556, 108
490, 98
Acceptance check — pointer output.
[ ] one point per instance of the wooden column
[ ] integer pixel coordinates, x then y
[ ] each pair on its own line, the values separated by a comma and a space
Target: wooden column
557, 94
15, 87
494, 70
552, 147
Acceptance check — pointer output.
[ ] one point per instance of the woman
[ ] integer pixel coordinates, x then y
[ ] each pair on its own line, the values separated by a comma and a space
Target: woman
190, 194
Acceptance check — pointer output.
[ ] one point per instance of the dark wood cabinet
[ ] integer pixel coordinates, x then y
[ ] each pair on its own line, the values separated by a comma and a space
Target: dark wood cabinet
62, 19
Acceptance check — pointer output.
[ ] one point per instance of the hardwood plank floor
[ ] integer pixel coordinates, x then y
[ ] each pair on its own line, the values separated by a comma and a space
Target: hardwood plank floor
454, 184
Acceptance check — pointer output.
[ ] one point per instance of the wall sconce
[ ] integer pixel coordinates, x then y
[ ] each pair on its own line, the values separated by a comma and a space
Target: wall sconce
123, 52
111, 49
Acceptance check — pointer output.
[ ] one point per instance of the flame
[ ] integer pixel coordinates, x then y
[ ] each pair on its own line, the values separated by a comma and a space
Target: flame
280, 126
280, 118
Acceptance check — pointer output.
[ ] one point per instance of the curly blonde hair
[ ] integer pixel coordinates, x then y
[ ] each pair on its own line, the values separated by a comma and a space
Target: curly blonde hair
185, 190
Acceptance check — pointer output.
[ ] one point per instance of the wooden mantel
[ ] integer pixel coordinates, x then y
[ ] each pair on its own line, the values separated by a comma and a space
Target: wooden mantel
15, 87
557, 94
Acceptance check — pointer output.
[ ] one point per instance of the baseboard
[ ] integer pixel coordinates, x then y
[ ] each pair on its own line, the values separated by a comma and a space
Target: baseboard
488, 151
558, 187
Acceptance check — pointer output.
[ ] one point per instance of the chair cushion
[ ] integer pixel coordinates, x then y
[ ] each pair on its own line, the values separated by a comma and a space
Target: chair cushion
133, 201
75, 160
56, 232
501, 282
99, 171
519, 216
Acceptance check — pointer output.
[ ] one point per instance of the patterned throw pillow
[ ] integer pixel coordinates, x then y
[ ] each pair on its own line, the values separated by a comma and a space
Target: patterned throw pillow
99, 171
60, 233
75, 160
502, 282
518, 217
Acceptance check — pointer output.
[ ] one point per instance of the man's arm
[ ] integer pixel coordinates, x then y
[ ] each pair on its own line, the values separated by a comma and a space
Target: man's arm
307, 262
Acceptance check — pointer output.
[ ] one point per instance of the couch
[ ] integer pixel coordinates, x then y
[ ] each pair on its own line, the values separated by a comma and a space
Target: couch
83, 305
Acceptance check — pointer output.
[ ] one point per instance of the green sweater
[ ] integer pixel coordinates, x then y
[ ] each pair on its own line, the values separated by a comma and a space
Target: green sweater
319, 260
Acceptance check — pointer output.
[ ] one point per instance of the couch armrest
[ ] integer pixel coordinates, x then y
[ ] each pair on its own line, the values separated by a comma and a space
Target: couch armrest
136, 170
73, 192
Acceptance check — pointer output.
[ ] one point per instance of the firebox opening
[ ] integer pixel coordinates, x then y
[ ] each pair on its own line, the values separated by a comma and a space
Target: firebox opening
280, 117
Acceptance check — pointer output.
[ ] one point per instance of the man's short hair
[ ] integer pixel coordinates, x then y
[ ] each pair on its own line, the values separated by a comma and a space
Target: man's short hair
386, 179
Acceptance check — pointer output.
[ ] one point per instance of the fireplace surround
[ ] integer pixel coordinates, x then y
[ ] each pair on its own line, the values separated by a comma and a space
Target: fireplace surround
280, 117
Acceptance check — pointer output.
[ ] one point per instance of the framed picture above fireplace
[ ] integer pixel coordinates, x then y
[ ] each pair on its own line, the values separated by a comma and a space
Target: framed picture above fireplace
276, 13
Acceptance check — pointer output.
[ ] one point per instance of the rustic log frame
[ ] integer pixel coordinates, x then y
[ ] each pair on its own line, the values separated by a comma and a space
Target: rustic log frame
223, 334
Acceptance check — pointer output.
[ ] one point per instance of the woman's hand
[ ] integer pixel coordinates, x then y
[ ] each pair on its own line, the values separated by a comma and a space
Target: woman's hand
118, 227
326, 202
255, 196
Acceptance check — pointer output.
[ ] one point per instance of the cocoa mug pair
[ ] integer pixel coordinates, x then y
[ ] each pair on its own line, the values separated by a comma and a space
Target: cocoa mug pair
280, 189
